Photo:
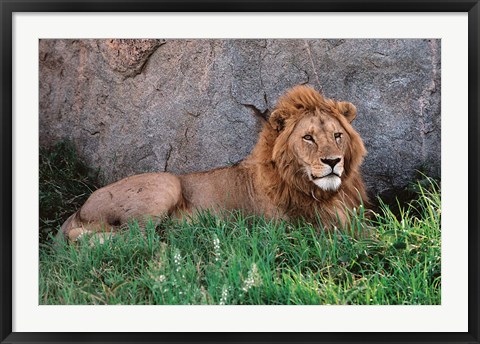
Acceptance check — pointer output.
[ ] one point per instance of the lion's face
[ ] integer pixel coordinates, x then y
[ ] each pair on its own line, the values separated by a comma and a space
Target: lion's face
318, 142
315, 147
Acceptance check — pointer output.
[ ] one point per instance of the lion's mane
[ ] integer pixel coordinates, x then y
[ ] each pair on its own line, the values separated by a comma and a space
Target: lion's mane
278, 166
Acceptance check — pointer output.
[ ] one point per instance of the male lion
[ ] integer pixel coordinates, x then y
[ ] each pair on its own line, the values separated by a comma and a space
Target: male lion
306, 164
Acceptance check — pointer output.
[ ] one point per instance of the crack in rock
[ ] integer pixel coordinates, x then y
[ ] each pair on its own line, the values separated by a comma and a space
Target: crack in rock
144, 157
167, 158
309, 51
193, 114
263, 115
92, 133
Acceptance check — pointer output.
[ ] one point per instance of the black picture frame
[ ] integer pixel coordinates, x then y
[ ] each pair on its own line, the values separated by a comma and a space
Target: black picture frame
8, 7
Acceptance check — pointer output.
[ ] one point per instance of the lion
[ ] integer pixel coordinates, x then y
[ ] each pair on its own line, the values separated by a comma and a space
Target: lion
305, 166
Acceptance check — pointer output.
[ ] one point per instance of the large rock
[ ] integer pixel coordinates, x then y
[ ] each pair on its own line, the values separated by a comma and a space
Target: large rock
133, 106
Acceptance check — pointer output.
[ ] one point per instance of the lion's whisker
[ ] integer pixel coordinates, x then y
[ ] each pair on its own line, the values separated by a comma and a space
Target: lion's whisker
313, 195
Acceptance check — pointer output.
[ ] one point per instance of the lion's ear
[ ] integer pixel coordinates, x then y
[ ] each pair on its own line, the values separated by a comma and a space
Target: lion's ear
277, 120
348, 110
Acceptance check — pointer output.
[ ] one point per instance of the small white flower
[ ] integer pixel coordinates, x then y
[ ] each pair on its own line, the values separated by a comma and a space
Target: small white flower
253, 278
177, 259
155, 272
223, 299
216, 243
216, 248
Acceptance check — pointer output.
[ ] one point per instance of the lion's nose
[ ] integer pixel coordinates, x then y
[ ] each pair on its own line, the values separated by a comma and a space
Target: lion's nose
331, 162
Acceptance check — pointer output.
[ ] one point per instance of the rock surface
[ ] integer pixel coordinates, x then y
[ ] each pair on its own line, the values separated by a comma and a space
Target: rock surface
133, 106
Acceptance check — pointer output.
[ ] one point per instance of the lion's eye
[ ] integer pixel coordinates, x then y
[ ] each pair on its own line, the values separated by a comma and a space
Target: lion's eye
308, 138
338, 137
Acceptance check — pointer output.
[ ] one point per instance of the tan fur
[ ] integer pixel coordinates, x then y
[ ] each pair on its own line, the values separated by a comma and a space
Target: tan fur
280, 179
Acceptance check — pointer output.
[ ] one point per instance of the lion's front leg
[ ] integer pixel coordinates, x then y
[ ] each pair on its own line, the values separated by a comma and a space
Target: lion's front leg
140, 198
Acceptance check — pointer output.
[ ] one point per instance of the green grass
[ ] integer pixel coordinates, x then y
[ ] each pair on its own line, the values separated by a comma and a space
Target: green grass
251, 261
248, 260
